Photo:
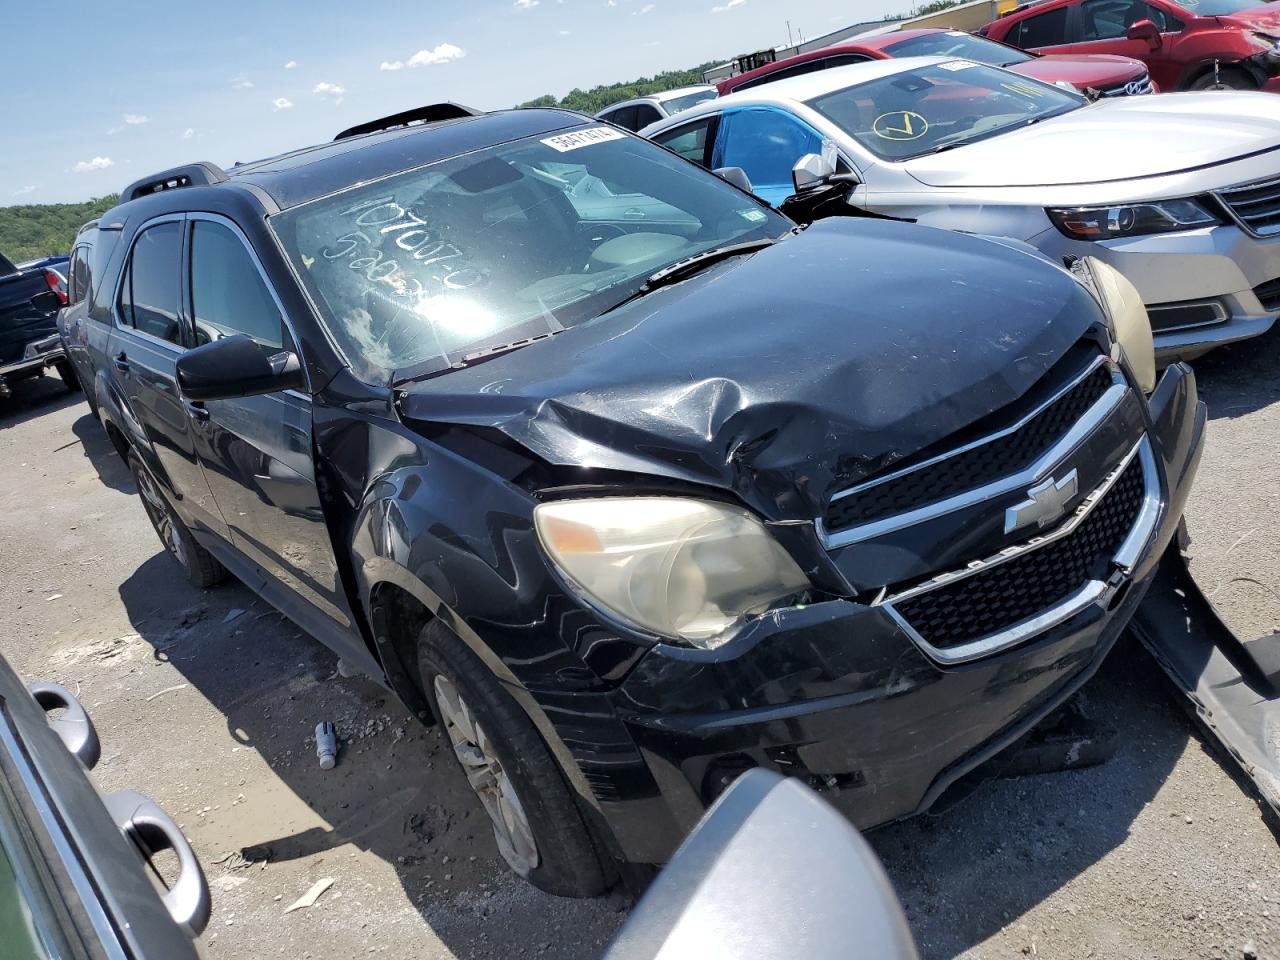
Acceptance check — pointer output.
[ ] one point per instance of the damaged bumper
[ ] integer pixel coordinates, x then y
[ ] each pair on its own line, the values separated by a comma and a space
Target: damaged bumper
845, 694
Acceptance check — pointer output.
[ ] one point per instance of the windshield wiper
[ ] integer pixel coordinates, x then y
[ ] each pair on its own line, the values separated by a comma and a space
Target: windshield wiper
683, 269
432, 368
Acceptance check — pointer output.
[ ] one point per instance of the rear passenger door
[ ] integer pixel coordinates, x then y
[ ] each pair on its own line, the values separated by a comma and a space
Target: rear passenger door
257, 451
150, 334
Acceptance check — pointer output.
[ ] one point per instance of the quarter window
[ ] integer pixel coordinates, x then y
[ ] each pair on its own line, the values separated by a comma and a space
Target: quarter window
149, 294
228, 294
1044, 30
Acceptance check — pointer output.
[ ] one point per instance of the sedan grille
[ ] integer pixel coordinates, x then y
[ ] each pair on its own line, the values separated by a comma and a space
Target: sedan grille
971, 467
1256, 205
1131, 88
999, 597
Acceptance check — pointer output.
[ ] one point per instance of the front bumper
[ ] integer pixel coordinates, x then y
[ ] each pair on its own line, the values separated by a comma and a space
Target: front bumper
37, 357
1199, 285
839, 694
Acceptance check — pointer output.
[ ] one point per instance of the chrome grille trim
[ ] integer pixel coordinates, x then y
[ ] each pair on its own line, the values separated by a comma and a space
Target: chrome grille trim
1096, 414
1132, 88
1249, 212
1088, 593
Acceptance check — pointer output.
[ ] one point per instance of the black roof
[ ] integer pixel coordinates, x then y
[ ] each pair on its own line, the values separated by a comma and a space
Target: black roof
311, 172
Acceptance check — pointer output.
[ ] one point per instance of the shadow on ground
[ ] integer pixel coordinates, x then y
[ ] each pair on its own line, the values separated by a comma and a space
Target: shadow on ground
35, 397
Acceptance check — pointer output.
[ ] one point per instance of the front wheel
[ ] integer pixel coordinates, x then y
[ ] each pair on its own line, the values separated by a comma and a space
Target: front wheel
536, 822
1225, 78
199, 565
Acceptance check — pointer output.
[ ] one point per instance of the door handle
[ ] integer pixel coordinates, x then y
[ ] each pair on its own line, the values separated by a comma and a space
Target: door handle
74, 726
198, 411
121, 362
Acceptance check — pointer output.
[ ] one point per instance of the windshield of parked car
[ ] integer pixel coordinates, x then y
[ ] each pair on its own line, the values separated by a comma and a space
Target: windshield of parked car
428, 267
954, 43
1220, 8
940, 106
681, 104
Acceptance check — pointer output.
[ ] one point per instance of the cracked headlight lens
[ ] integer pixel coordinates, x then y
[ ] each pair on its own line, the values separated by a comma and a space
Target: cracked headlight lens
1130, 220
679, 568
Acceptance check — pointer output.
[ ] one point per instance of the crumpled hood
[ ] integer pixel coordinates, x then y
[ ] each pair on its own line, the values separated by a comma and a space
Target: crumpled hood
1265, 18
1114, 139
784, 375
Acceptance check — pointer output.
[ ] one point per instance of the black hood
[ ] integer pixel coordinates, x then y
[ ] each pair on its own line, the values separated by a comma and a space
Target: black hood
785, 375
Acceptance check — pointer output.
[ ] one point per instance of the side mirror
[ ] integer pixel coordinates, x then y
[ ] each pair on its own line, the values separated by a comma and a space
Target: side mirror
1147, 32
772, 872
735, 175
236, 367
811, 171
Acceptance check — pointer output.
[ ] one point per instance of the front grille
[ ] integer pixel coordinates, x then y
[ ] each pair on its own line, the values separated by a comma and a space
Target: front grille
973, 467
986, 603
1131, 88
1257, 205
1269, 294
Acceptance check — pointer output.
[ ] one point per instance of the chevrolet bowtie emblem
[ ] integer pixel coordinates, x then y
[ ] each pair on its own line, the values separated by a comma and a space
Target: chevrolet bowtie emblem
1045, 504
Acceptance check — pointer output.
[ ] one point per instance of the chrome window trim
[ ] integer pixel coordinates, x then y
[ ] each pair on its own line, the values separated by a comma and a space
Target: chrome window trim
1126, 557
84, 887
1095, 415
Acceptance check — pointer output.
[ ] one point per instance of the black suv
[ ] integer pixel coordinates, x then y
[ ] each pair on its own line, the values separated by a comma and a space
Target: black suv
626, 481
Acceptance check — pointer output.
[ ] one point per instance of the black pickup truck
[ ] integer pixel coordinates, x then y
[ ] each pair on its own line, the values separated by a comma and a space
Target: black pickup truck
29, 344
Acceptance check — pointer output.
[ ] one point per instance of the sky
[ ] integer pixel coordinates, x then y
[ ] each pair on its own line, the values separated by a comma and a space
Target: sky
110, 92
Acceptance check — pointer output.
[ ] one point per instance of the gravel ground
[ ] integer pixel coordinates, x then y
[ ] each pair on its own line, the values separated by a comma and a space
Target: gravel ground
207, 701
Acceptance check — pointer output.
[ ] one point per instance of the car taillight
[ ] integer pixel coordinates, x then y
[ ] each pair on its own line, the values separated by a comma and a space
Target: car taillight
57, 285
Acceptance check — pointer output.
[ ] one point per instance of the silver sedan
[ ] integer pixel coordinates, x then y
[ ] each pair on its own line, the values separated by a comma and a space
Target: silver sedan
1180, 192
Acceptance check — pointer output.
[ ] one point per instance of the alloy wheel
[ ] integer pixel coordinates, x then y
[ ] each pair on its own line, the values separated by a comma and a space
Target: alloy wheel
488, 779
160, 517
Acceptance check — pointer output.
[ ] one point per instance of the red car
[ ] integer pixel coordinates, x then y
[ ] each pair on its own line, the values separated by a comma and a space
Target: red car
1109, 76
1192, 45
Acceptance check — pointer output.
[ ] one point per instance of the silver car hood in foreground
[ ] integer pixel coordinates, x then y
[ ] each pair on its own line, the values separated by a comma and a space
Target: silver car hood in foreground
1121, 139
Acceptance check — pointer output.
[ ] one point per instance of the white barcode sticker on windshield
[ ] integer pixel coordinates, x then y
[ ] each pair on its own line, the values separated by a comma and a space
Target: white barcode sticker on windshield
564, 142
957, 65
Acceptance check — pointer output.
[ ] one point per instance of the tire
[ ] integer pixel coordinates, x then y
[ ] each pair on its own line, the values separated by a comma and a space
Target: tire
511, 771
67, 373
1226, 78
199, 565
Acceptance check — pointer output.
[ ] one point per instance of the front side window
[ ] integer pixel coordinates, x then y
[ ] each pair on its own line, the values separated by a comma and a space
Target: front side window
766, 144
228, 294
149, 292
428, 267
940, 106
1111, 19
690, 141
954, 43
1043, 30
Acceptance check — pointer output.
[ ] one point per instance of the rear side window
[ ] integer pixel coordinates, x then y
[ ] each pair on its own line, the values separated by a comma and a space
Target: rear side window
690, 141
149, 293
228, 294
646, 115
78, 279
625, 118
1044, 30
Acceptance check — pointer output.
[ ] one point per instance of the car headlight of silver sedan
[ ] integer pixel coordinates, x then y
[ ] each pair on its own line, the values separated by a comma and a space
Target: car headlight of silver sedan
680, 568
1131, 219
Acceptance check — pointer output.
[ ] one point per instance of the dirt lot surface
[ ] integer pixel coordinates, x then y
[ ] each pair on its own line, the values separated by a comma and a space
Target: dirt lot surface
207, 702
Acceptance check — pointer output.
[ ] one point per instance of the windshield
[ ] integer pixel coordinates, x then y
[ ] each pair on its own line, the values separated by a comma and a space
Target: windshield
954, 43
681, 104
1220, 8
520, 240
942, 105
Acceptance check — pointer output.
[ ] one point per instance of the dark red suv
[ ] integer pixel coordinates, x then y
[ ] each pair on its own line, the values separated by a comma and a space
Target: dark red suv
1192, 45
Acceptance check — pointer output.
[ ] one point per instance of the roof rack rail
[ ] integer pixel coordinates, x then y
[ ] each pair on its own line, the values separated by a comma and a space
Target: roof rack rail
431, 113
193, 174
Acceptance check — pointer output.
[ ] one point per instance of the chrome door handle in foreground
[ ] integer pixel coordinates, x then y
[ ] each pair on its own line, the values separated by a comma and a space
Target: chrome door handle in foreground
152, 830
121, 362
197, 410
74, 727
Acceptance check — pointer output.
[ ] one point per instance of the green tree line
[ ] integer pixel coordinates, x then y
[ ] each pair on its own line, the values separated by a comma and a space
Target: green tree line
36, 230
597, 98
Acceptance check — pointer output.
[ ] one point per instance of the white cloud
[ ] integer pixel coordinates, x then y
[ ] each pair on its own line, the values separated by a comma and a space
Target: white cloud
291, 64
188, 133
23, 191
89, 166
134, 119
441, 53
391, 65
282, 103
728, 6
240, 83
526, 4
329, 91
647, 8
564, 33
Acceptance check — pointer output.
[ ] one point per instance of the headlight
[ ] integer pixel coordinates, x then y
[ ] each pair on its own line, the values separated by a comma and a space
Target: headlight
1267, 42
1129, 321
1130, 220
687, 569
